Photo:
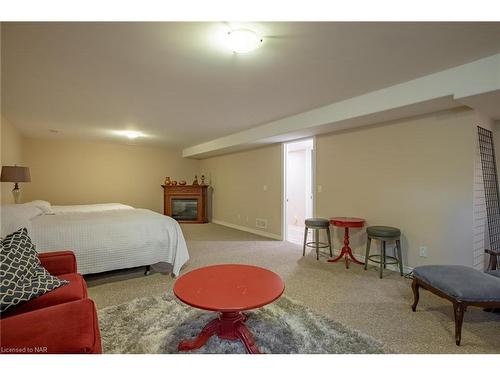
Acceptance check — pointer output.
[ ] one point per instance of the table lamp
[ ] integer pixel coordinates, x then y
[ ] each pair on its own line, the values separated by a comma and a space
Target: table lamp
15, 174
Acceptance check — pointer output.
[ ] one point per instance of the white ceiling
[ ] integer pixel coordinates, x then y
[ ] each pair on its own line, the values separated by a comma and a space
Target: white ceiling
174, 83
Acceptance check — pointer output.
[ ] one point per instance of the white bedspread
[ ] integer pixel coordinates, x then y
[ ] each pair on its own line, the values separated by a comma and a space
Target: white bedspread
90, 208
105, 240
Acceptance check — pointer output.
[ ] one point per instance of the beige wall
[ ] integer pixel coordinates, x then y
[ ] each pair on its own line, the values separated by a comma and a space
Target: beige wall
414, 174
77, 172
238, 182
496, 137
11, 154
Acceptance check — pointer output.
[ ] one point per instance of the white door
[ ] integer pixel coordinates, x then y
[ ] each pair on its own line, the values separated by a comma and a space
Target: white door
298, 192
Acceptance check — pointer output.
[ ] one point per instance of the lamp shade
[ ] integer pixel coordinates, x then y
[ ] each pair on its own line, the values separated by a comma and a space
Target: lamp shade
15, 174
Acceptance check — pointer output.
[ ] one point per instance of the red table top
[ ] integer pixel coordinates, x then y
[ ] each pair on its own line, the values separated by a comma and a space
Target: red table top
351, 222
229, 287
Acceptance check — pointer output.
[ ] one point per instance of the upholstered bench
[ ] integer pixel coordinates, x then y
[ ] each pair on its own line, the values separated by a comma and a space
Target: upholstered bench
463, 286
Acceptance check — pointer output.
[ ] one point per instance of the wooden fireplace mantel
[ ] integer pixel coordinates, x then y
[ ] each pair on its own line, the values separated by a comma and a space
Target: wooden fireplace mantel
198, 192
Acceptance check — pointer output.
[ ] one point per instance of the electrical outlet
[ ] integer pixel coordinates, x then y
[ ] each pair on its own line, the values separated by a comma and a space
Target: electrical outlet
320, 188
247, 219
239, 217
423, 251
261, 223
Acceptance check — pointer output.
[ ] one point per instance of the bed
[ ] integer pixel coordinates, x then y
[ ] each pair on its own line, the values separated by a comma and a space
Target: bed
104, 237
86, 208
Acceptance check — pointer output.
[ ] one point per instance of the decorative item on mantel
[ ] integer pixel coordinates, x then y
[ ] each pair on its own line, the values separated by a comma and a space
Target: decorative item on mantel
170, 182
195, 182
203, 179
16, 175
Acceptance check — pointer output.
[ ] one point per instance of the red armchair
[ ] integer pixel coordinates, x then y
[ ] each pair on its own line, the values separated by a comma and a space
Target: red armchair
61, 321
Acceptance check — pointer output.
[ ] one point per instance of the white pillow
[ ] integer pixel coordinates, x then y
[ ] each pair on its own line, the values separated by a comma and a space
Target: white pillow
43, 205
17, 216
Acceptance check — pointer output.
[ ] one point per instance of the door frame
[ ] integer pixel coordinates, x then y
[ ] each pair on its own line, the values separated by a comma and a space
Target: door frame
284, 226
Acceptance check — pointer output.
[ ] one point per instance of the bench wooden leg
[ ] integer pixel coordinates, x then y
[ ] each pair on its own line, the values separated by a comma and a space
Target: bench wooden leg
416, 295
459, 309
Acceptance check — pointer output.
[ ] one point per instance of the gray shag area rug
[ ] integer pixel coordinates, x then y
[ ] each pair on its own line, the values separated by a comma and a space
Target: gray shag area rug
158, 324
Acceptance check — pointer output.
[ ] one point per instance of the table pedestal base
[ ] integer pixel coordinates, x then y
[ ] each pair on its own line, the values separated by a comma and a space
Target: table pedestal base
346, 251
228, 326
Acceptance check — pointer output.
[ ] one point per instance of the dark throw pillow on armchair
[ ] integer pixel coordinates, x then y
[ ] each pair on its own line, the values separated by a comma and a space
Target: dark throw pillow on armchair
22, 277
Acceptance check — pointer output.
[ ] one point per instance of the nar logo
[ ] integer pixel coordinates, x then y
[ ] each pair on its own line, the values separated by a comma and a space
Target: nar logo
23, 349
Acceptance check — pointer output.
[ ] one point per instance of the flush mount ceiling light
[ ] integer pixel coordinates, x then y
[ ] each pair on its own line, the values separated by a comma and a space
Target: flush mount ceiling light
130, 134
242, 40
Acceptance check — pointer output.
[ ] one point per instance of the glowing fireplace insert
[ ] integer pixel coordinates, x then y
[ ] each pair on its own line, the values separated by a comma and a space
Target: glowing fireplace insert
187, 204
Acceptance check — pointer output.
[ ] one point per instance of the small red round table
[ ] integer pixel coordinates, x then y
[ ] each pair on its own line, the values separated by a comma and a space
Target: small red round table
228, 289
346, 223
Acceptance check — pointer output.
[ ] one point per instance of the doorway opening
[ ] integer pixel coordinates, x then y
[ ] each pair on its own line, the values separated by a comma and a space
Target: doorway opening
298, 188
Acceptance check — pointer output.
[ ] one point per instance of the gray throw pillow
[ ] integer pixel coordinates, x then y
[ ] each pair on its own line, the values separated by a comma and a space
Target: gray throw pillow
22, 277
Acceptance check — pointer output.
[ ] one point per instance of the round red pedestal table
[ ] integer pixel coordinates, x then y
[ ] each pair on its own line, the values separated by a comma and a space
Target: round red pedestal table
346, 223
228, 289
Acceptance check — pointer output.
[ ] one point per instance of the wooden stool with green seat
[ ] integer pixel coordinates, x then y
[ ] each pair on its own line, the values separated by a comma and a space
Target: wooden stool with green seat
384, 234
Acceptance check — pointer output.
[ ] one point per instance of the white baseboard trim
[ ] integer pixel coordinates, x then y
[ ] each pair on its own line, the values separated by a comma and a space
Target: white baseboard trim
247, 229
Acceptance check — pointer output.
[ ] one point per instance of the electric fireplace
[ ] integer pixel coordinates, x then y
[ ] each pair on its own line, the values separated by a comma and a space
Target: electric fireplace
187, 203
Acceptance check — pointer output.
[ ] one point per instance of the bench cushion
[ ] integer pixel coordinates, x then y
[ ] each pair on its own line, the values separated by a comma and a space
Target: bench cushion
461, 282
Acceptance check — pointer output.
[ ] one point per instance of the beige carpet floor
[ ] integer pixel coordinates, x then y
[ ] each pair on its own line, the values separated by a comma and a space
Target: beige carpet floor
354, 297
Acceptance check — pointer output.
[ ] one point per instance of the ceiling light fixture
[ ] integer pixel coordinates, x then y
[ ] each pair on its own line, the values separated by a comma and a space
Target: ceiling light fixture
130, 134
242, 40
